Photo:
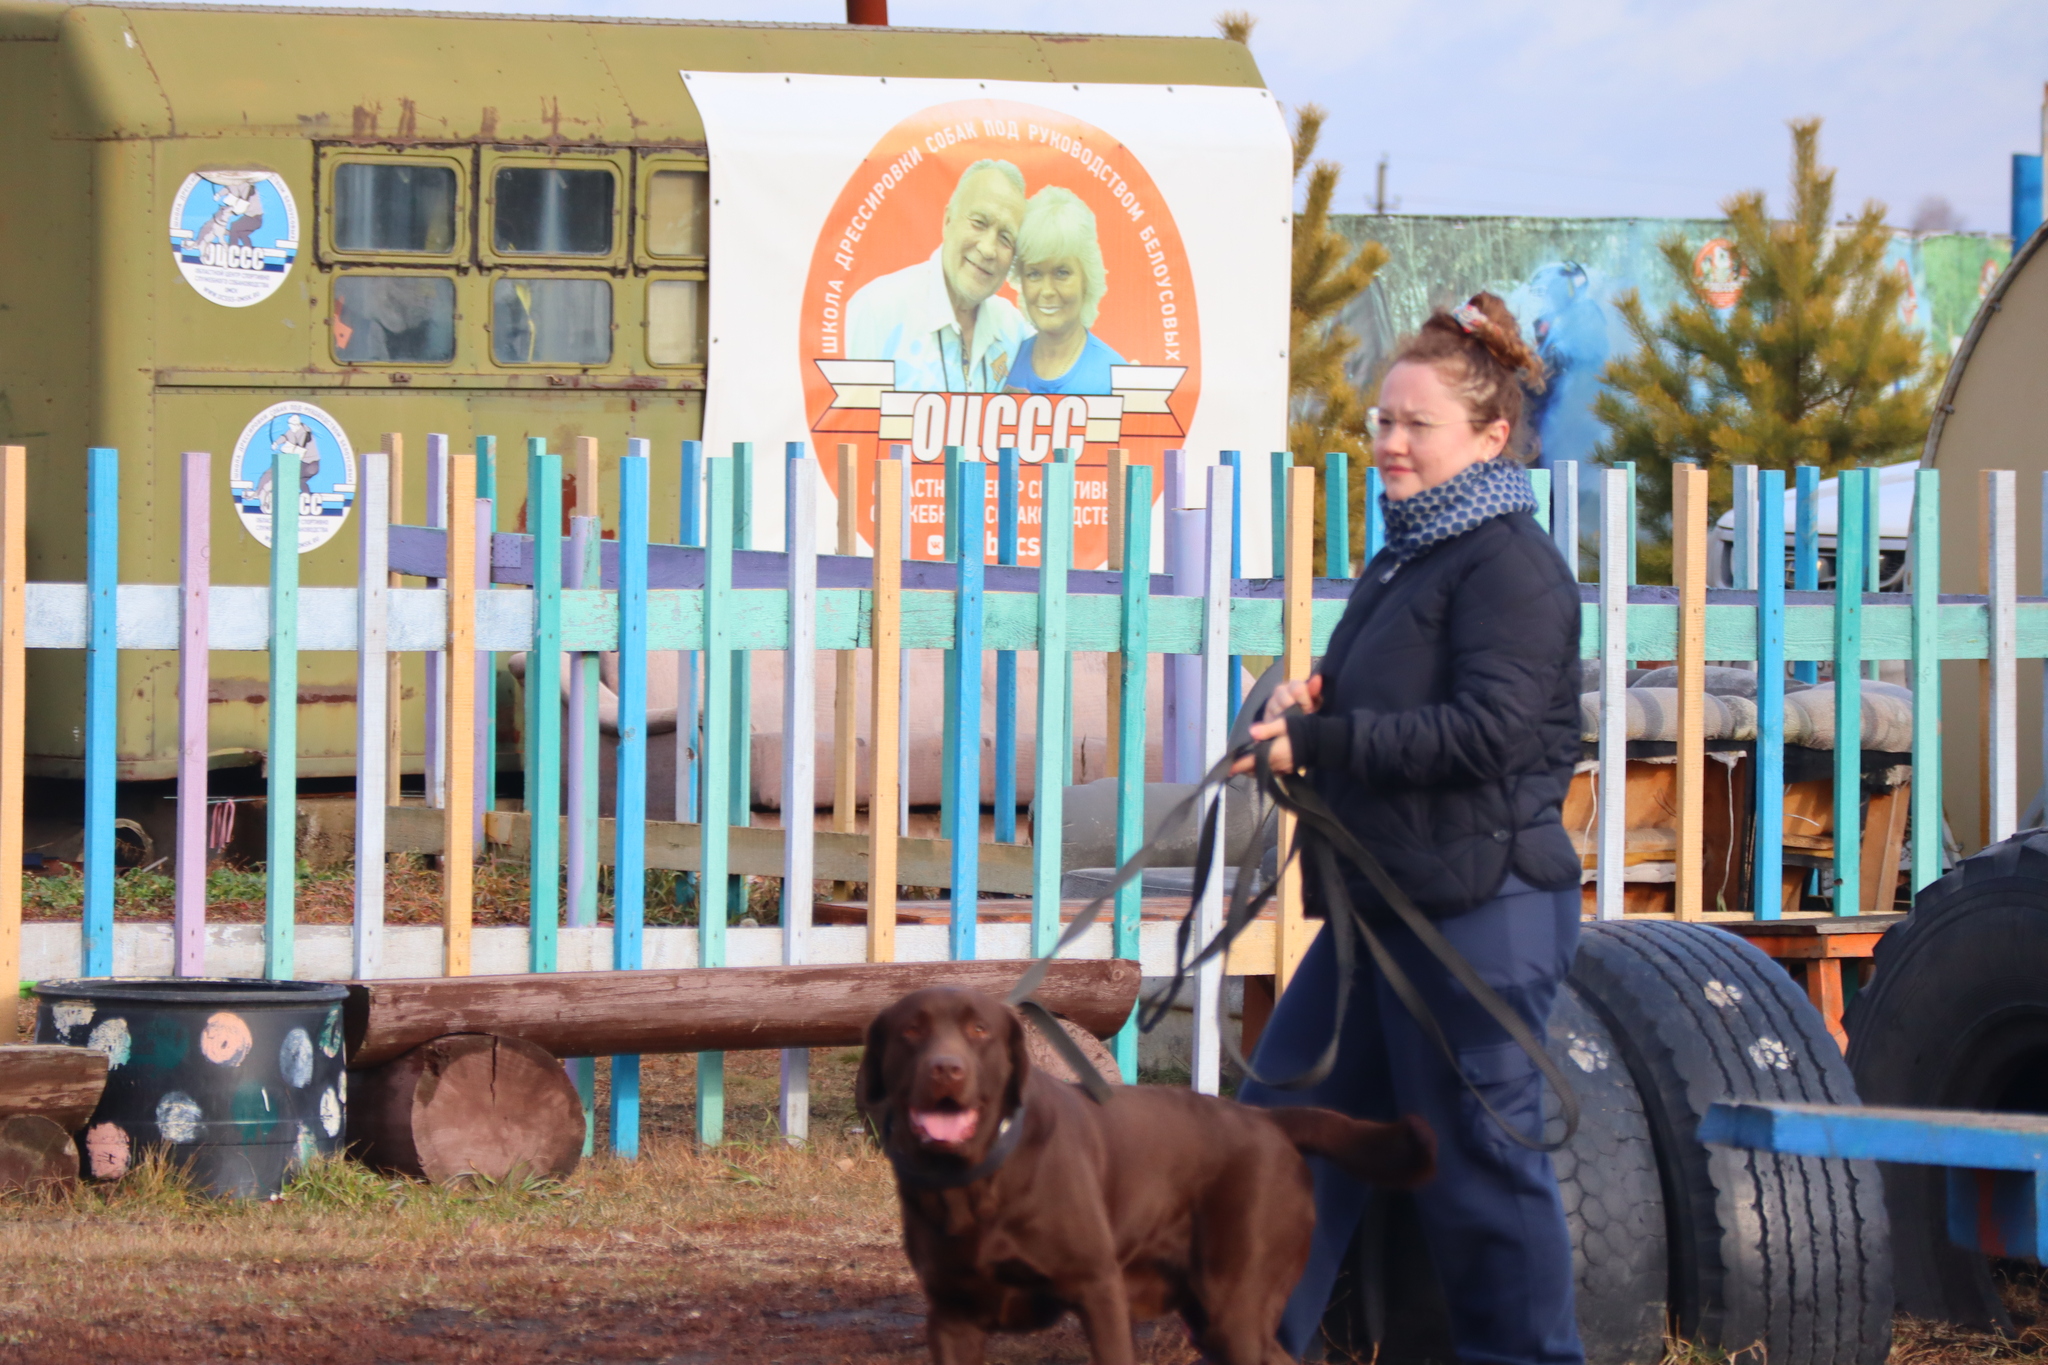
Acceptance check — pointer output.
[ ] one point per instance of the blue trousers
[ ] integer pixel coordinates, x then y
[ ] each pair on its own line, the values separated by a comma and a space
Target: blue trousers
1492, 1218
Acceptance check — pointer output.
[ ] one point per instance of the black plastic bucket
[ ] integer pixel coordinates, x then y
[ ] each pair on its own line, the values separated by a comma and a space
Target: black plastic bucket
239, 1081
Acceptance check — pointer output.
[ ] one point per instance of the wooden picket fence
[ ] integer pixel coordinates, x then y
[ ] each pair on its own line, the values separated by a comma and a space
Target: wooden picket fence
717, 600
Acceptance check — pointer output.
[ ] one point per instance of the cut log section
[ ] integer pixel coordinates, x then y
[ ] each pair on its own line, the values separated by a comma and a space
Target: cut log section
719, 1009
1052, 1064
62, 1084
36, 1155
469, 1104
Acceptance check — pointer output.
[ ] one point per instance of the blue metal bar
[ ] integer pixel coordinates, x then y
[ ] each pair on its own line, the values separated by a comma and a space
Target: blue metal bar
1768, 863
629, 854
102, 700
1916, 1137
1806, 550
1539, 484
964, 674
1008, 495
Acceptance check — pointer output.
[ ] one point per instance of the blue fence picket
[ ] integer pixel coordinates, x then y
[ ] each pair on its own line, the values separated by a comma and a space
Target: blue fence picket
1767, 896
1806, 549
629, 853
1008, 496
963, 667
544, 708
102, 701
1133, 643
722, 675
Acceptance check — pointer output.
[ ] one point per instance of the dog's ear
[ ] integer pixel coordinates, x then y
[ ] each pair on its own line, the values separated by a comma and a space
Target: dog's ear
1020, 1060
870, 1085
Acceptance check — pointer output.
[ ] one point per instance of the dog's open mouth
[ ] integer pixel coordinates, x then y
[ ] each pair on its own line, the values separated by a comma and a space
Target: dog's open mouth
951, 1125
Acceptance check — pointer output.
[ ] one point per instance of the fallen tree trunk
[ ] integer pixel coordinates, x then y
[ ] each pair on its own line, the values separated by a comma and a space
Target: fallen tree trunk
62, 1084
698, 1009
468, 1105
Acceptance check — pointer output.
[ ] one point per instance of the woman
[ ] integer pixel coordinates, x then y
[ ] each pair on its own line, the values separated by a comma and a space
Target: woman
1060, 281
1441, 728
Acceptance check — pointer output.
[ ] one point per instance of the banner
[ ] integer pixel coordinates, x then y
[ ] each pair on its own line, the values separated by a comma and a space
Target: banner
935, 263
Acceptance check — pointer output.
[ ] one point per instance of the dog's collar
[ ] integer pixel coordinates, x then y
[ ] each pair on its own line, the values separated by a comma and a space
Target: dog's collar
1008, 1135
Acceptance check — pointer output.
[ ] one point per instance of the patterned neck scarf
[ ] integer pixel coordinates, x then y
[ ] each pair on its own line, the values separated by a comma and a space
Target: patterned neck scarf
1481, 492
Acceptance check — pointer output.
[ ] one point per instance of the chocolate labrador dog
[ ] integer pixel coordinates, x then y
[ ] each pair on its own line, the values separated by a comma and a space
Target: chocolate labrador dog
1023, 1198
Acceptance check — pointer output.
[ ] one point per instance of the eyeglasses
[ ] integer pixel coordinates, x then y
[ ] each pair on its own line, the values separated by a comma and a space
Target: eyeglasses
1381, 424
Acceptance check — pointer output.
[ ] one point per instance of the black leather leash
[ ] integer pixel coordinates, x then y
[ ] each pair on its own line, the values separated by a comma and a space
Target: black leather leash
1320, 836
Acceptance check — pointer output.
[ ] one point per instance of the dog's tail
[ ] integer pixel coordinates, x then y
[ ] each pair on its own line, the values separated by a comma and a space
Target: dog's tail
1398, 1155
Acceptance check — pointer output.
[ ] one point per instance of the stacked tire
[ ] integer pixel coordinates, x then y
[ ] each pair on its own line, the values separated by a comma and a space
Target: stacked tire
1783, 1258
1957, 1018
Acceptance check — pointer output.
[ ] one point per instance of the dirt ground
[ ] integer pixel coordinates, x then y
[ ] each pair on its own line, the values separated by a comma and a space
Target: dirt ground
748, 1252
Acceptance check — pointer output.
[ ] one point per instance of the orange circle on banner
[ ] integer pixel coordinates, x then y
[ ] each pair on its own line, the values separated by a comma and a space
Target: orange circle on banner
915, 243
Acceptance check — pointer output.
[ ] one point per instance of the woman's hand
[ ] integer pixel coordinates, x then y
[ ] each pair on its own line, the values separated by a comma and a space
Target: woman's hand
1307, 695
1281, 755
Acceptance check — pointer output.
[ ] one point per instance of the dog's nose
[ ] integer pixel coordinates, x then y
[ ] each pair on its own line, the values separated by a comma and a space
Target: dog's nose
947, 1068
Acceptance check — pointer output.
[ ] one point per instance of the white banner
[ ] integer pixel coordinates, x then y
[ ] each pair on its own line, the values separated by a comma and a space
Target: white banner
995, 263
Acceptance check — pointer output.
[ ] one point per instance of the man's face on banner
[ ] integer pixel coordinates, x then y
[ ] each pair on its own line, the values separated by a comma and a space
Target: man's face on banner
980, 237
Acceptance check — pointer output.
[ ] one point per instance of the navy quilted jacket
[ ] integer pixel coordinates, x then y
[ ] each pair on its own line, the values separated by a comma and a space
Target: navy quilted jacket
1450, 717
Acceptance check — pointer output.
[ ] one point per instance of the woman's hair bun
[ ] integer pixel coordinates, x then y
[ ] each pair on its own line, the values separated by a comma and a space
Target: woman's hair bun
1485, 318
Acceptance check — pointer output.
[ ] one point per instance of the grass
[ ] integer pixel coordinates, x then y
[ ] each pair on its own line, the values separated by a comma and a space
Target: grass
325, 895
752, 1251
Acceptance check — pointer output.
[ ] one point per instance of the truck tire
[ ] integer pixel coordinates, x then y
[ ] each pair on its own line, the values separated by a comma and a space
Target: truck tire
1788, 1256
1956, 1017
1613, 1194
1388, 1297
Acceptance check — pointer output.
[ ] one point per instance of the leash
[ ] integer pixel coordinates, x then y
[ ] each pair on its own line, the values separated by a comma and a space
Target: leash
1321, 838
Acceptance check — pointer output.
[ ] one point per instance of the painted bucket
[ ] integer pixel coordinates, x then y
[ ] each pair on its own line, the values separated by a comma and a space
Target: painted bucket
240, 1082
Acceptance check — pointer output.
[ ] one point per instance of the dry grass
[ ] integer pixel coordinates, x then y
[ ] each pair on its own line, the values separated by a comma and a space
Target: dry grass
326, 895
2024, 1289
753, 1251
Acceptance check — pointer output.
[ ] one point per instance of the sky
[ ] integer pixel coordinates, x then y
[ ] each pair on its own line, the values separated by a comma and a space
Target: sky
1589, 108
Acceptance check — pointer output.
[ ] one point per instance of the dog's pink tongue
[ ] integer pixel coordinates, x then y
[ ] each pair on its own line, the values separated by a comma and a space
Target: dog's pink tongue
945, 1125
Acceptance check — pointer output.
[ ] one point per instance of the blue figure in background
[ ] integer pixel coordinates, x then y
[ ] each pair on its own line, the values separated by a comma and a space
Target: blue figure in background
1570, 328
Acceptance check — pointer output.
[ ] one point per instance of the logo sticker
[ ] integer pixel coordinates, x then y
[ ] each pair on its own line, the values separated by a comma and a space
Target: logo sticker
319, 466
1720, 275
234, 235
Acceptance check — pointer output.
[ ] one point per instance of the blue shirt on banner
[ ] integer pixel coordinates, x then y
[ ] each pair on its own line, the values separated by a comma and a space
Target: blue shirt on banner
1088, 374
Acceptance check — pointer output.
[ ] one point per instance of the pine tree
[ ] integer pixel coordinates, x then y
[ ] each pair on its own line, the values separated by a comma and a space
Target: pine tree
1326, 410
1810, 366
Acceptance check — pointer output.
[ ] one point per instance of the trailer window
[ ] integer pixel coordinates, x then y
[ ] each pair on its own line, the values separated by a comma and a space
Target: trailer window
380, 206
676, 322
551, 321
678, 213
541, 210
394, 318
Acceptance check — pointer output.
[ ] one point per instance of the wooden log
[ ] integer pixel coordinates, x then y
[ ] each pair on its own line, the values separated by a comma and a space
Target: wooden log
697, 1009
1045, 1059
468, 1104
62, 1084
36, 1155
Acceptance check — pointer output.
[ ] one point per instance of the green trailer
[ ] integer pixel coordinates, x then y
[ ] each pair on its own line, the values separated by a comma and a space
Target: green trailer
287, 231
